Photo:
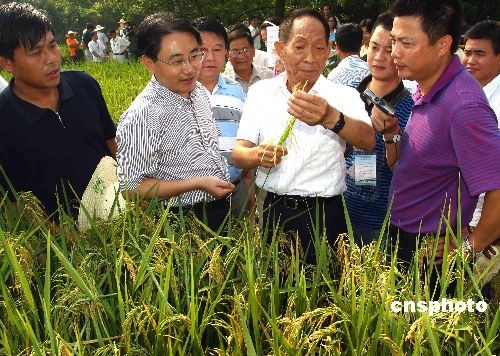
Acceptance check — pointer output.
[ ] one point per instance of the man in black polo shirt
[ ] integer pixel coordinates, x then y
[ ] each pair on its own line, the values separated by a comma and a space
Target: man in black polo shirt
55, 126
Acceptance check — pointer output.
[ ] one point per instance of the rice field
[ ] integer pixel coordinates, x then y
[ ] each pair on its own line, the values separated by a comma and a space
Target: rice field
151, 283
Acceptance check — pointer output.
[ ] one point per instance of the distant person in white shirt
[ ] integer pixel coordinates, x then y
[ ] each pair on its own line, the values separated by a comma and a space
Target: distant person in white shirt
307, 171
97, 48
119, 46
101, 36
255, 31
482, 60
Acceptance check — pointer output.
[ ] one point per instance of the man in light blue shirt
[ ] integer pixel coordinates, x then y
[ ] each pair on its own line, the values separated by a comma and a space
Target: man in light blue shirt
227, 98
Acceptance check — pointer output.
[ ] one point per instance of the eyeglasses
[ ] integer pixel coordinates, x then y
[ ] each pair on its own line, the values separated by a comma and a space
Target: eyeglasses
236, 52
195, 59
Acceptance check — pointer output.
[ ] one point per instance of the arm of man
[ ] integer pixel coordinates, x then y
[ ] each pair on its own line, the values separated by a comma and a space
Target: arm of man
314, 110
111, 143
247, 155
151, 187
487, 231
389, 126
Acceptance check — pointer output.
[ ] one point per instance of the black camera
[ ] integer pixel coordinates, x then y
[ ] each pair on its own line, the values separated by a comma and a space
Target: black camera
127, 30
379, 102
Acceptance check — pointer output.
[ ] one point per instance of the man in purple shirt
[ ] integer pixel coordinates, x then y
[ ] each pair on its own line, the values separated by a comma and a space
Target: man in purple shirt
451, 141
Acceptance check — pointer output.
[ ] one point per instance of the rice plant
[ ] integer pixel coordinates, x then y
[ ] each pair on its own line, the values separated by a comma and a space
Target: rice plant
152, 283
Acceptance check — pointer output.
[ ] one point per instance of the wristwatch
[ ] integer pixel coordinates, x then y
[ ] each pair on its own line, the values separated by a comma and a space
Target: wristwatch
395, 138
340, 124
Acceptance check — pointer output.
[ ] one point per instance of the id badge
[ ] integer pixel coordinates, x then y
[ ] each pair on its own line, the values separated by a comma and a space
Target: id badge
365, 168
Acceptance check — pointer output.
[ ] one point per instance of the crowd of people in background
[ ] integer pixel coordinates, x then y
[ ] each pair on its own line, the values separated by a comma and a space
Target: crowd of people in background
96, 45
401, 120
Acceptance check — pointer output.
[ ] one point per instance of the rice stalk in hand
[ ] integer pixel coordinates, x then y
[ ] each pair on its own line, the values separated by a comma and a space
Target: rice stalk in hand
291, 121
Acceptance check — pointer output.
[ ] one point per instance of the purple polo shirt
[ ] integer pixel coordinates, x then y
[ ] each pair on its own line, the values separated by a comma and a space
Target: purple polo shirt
451, 130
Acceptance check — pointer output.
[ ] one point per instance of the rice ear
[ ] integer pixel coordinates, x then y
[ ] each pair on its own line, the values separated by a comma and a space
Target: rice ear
291, 121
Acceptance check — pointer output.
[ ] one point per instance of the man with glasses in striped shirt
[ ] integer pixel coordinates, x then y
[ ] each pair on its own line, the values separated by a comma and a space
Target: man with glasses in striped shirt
167, 138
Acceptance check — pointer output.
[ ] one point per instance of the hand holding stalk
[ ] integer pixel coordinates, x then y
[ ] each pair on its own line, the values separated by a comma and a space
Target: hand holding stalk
291, 121
312, 109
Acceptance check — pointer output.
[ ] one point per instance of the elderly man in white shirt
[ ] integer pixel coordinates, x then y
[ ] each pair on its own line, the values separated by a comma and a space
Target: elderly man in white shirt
305, 176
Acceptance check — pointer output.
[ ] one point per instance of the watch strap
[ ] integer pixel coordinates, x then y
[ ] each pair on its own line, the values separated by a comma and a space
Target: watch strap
340, 124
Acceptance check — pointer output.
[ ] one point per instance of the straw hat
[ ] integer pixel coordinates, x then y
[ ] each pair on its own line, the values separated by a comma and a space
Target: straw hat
122, 21
71, 33
99, 28
102, 198
481, 263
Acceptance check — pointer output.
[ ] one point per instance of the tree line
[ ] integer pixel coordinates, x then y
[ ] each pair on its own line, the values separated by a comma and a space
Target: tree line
74, 14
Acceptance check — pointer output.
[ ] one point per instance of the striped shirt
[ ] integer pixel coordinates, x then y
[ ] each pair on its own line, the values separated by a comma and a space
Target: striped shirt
165, 136
451, 130
350, 71
227, 101
367, 205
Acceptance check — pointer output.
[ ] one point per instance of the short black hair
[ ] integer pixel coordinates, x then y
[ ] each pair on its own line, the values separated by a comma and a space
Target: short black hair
438, 17
251, 17
287, 23
155, 26
211, 24
234, 35
21, 23
89, 26
349, 37
486, 30
368, 23
238, 27
385, 19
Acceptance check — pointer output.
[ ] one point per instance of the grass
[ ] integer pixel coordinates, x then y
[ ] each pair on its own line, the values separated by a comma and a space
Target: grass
150, 283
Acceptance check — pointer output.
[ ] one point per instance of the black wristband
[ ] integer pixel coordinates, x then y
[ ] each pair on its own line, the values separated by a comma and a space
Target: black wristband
340, 124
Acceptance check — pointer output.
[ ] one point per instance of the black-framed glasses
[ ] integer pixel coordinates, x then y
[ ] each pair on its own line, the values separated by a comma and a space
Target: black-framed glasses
177, 62
236, 52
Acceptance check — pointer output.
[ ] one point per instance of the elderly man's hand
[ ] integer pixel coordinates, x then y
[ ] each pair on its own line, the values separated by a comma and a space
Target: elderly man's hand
311, 109
269, 155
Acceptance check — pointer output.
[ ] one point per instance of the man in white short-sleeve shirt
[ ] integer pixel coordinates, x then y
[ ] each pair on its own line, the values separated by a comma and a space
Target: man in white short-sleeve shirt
307, 172
482, 60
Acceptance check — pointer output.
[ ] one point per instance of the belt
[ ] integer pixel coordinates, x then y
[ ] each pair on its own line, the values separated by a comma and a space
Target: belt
119, 54
296, 201
207, 204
